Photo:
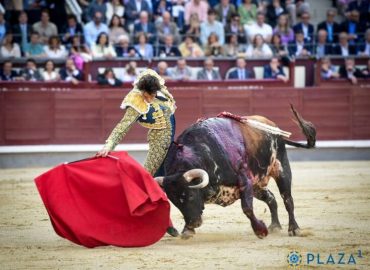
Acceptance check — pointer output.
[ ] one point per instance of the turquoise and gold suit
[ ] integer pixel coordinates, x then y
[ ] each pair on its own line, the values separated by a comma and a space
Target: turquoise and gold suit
157, 116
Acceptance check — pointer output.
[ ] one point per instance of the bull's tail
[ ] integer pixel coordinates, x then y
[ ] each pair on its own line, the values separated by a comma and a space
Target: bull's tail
308, 129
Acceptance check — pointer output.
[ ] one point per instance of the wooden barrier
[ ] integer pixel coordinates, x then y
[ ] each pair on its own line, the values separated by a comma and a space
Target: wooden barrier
60, 113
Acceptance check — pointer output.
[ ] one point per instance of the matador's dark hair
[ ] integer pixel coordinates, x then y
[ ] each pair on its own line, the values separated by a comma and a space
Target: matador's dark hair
149, 84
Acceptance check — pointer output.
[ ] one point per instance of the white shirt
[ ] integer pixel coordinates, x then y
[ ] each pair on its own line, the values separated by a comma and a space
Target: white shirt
264, 51
14, 52
50, 76
92, 31
344, 51
99, 51
58, 53
209, 75
253, 29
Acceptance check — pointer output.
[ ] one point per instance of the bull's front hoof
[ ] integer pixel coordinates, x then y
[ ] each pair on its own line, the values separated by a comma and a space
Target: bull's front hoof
172, 231
274, 227
187, 233
295, 232
260, 229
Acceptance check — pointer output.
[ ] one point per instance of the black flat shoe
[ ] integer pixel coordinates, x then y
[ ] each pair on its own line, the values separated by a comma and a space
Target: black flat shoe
172, 231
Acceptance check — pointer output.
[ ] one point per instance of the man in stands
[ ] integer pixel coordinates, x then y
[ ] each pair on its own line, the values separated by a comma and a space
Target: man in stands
212, 26
94, 28
349, 71
259, 27
70, 73
331, 27
274, 70
299, 47
7, 73
146, 27
305, 27
322, 48
241, 72
208, 72
181, 71
343, 48
45, 28
30, 72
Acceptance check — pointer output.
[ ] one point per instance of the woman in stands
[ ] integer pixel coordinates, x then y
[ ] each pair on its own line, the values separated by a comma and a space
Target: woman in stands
259, 48
152, 105
49, 74
55, 49
102, 48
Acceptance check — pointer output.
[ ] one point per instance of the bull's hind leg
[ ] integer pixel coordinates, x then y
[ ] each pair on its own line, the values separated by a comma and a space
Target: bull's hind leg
265, 195
284, 183
246, 197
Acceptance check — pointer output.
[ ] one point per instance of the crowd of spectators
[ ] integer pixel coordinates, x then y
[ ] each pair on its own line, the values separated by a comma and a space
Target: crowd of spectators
242, 29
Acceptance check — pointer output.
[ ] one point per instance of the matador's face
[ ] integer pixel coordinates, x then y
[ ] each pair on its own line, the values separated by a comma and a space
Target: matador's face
149, 97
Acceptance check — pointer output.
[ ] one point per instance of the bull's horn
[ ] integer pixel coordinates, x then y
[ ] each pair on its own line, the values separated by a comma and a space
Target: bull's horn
159, 180
197, 173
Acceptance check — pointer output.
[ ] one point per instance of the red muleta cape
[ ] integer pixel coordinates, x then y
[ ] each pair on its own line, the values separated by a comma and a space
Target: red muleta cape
105, 201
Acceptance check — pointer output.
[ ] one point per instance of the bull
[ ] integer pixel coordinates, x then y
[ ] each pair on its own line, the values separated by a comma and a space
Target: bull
225, 158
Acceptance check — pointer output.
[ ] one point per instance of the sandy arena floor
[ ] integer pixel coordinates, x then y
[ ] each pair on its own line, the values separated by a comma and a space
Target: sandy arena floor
332, 202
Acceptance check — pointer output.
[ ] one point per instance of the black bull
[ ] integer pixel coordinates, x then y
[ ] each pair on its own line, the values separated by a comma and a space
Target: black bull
236, 160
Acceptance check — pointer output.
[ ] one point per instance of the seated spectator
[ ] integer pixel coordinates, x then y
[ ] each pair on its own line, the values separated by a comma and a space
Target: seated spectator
212, 26
160, 7
55, 49
7, 73
235, 28
70, 73
247, 12
259, 27
178, 13
273, 11
277, 47
102, 48
363, 7
167, 27
213, 47
30, 72
49, 74
162, 70
241, 72
130, 73
299, 47
93, 7
114, 7
45, 28
364, 49
79, 57
9, 48
133, 9
274, 70
224, 11
302, 7
193, 28
143, 48
196, 6
109, 78
123, 49
189, 48
116, 29
328, 71
4, 27
305, 27
146, 27
71, 29
349, 71
233, 48
168, 49
79, 47
258, 48
94, 28
34, 48
181, 71
331, 27
22, 30
343, 48
208, 72
283, 29
353, 28
321, 47
366, 71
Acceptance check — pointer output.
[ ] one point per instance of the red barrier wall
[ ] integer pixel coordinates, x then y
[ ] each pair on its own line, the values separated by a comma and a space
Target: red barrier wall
65, 114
